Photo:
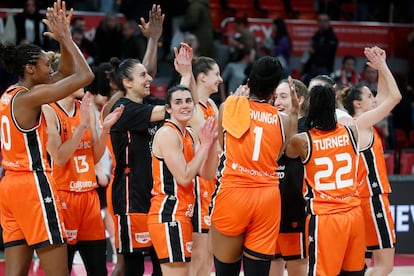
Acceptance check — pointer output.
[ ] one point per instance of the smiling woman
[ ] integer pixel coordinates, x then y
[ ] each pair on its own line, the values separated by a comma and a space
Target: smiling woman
178, 156
33, 220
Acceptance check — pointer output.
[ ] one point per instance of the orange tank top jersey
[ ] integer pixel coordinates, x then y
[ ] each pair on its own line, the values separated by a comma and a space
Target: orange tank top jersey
251, 159
33, 219
372, 171
171, 201
207, 109
26, 151
205, 188
78, 174
330, 171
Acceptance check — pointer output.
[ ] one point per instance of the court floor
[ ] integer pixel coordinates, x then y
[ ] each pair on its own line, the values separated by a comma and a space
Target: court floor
404, 266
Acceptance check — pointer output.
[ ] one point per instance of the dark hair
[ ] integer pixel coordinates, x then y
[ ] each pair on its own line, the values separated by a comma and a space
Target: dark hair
264, 77
325, 78
348, 96
100, 84
321, 113
348, 57
14, 58
281, 30
123, 70
202, 65
171, 91
75, 20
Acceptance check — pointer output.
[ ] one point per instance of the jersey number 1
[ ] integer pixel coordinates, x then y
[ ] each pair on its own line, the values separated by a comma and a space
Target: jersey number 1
257, 141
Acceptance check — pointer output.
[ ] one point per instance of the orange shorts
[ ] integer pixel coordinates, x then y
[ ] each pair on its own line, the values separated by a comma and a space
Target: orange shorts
30, 213
82, 216
201, 218
131, 233
379, 225
336, 243
291, 246
172, 241
253, 212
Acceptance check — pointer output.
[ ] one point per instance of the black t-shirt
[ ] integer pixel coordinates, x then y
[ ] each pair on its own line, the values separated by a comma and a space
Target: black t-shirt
131, 138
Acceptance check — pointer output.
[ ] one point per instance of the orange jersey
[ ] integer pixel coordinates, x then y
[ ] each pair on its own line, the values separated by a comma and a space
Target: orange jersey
205, 188
330, 171
23, 150
171, 201
372, 171
78, 174
29, 211
251, 159
207, 110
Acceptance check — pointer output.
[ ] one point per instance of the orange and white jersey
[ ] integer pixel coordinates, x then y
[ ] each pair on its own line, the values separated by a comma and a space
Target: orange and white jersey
251, 160
372, 171
78, 174
330, 171
23, 150
170, 200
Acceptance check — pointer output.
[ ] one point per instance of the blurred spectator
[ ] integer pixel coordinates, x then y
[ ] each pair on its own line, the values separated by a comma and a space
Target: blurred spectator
192, 41
197, 20
234, 72
78, 22
321, 55
134, 42
107, 38
347, 75
369, 78
29, 26
243, 37
282, 45
86, 46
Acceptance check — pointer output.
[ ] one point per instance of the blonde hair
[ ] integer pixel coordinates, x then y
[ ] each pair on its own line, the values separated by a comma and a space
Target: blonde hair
54, 58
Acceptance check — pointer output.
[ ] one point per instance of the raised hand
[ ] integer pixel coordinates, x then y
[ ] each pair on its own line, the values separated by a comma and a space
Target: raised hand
85, 110
294, 97
183, 59
153, 28
208, 133
112, 118
376, 57
58, 22
243, 90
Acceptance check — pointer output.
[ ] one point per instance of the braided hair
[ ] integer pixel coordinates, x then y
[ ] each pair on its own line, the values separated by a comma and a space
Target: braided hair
321, 113
15, 58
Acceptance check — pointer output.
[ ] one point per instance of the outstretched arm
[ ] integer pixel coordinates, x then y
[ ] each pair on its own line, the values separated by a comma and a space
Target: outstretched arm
81, 76
27, 105
388, 93
152, 30
183, 65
